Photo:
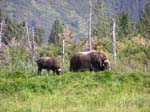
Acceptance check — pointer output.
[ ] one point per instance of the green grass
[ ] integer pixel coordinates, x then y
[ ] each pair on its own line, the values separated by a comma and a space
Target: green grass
24, 91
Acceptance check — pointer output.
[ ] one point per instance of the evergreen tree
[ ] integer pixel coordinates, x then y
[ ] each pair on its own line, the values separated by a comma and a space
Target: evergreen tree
12, 29
123, 24
56, 30
39, 33
144, 23
101, 23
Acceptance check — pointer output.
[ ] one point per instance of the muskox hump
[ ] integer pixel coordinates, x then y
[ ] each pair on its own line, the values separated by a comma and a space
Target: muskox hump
74, 62
80, 62
89, 61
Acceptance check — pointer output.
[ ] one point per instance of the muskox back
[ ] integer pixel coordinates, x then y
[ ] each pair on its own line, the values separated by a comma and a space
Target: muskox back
89, 61
80, 62
48, 63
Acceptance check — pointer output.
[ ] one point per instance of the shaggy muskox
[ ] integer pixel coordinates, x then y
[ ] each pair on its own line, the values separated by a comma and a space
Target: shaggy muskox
89, 61
48, 63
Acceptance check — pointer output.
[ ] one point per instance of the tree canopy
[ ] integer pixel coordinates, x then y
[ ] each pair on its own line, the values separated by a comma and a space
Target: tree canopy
56, 30
144, 23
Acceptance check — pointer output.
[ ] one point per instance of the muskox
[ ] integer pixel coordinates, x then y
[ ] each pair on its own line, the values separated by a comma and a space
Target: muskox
48, 63
89, 61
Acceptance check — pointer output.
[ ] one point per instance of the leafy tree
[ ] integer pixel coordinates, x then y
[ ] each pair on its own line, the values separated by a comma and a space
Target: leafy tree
39, 33
101, 23
56, 30
144, 23
12, 29
123, 24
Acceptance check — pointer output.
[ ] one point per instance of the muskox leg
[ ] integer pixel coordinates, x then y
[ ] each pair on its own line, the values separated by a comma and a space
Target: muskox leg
54, 72
70, 68
39, 71
48, 70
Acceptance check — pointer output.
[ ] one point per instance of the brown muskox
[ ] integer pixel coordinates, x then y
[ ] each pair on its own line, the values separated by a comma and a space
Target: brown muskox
89, 61
48, 63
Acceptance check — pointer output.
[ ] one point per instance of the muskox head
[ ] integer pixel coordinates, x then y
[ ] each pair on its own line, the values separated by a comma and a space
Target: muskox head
58, 71
106, 64
103, 61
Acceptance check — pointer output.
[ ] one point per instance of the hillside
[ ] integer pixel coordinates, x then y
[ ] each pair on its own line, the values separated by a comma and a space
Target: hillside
124, 88
74, 13
23, 91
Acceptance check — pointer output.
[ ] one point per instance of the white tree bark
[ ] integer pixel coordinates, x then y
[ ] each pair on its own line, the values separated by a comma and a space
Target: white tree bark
33, 44
114, 42
63, 51
1, 32
90, 24
27, 35
63, 47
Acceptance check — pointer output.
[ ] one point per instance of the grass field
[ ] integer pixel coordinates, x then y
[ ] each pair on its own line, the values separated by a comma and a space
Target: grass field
22, 91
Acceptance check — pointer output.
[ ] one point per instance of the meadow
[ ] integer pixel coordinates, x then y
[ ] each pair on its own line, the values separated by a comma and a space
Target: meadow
24, 91
124, 89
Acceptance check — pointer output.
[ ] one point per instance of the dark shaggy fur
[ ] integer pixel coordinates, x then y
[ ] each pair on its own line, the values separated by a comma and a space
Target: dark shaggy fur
89, 61
48, 63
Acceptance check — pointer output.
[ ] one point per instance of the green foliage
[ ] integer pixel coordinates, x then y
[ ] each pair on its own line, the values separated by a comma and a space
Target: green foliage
123, 24
147, 53
56, 30
12, 30
24, 91
131, 55
15, 31
39, 34
144, 23
138, 52
106, 45
50, 50
101, 23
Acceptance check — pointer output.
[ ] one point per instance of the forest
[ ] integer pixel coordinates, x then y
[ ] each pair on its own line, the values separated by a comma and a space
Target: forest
124, 88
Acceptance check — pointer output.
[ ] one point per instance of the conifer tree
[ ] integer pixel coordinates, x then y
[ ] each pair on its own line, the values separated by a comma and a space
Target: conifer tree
12, 29
39, 33
144, 23
101, 23
56, 30
123, 24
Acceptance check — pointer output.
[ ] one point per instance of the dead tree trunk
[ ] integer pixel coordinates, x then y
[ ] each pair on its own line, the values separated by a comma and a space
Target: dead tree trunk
1, 33
27, 35
114, 42
33, 45
90, 24
147, 66
63, 51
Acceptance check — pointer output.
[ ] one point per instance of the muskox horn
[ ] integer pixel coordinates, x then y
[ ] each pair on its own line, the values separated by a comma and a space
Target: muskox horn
59, 70
106, 61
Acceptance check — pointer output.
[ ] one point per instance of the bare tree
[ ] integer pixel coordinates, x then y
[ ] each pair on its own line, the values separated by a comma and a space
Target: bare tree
63, 50
90, 24
1, 32
33, 45
27, 34
114, 42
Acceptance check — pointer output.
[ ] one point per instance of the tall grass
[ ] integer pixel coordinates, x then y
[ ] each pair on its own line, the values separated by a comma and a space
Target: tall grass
24, 91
